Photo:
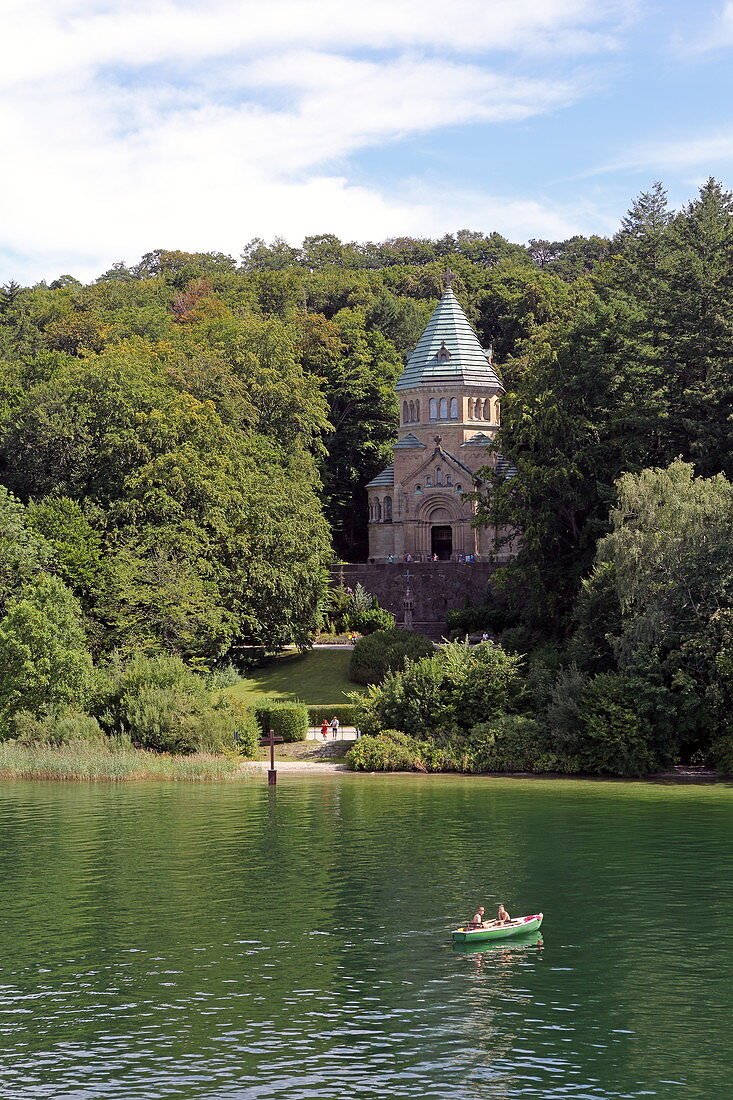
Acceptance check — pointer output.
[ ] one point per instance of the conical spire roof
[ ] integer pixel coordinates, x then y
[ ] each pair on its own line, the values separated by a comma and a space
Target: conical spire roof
448, 352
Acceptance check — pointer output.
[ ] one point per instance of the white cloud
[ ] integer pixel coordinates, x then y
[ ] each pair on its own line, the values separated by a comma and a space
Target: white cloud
708, 151
129, 126
718, 34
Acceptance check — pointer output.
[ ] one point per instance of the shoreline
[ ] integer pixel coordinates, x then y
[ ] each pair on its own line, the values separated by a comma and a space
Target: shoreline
80, 762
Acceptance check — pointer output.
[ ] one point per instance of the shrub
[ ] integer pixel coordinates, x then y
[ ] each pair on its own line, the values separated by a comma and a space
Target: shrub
721, 754
287, 720
375, 618
345, 712
446, 693
357, 610
616, 740
393, 750
223, 677
246, 729
511, 743
57, 729
483, 617
162, 705
386, 651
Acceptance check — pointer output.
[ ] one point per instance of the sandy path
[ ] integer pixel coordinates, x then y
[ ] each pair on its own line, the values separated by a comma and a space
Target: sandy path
312, 767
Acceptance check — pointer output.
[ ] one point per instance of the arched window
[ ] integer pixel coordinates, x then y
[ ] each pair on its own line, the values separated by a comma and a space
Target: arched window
429, 481
379, 511
405, 412
417, 410
433, 409
448, 479
454, 408
458, 489
418, 488
443, 409
388, 509
412, 410
438, 475
487, 409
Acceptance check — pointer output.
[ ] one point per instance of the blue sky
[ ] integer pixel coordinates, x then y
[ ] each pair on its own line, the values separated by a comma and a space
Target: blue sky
128, 125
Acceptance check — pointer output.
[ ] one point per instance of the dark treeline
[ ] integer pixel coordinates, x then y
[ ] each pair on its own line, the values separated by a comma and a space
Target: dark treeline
184, 442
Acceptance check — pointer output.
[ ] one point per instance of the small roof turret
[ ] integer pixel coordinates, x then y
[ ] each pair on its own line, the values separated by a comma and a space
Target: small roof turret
449, 352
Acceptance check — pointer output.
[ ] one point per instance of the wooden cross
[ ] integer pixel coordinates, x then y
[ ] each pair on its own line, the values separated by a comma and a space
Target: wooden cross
271, 740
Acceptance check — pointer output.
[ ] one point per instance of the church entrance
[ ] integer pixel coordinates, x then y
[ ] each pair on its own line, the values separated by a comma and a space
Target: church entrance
441, 542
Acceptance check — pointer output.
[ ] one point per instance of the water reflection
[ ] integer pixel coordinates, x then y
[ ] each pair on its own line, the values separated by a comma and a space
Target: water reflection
516, 943
222, 943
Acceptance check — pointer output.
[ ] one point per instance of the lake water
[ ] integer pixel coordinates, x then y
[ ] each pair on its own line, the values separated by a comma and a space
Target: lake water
221, 941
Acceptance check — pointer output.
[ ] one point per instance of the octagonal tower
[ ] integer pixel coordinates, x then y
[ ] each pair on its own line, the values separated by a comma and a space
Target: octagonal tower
449, 395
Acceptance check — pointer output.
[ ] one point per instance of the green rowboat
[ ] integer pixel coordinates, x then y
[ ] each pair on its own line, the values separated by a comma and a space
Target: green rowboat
493, 930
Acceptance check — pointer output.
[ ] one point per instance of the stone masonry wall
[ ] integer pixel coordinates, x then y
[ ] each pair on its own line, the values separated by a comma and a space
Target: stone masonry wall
436, 587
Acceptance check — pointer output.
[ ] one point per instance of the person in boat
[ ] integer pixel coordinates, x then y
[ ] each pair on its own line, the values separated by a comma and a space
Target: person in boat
477, 921
502, 916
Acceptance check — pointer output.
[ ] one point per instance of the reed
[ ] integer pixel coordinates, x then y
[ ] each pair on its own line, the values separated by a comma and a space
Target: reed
112, 762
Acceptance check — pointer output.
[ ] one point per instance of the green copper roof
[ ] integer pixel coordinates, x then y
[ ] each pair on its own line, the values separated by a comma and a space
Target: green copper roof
480, 439
385, 478
409, 442
448, 352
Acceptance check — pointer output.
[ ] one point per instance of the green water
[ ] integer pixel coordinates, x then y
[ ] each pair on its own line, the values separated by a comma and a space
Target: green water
226, 942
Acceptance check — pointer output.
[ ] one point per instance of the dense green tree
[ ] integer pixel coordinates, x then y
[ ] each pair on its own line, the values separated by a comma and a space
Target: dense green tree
24, 553
77, 544
44, 660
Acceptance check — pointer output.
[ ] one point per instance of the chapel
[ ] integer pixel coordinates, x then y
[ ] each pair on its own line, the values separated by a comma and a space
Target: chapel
449, 395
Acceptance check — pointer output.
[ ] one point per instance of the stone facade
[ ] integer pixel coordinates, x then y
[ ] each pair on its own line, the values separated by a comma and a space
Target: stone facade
435, 588
449, 412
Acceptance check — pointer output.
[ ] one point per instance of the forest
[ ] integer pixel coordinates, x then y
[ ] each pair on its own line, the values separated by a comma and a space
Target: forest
185, 442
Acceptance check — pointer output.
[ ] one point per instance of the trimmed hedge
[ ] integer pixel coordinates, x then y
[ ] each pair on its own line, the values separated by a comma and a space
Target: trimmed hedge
345, 712
288, 720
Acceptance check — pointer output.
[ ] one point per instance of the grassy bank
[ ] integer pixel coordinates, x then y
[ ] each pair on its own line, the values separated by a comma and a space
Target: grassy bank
320, 676
110, 763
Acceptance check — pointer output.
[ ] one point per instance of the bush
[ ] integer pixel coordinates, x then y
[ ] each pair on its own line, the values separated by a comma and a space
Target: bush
386, 651
223, 677
57, 729
721, 754
357, 610
616, 740
287, 720
246, 730
375, 618
483, 617
395, 751
446, 693
345, 712
511, 743
162, 705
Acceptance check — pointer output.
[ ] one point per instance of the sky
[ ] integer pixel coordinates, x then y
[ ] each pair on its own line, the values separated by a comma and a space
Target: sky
130, 125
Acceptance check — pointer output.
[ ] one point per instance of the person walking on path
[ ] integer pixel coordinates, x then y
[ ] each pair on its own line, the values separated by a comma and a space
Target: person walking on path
335, 725
324, 728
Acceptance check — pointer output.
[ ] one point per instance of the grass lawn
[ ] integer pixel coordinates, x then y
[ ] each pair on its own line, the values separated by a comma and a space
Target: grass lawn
320, 676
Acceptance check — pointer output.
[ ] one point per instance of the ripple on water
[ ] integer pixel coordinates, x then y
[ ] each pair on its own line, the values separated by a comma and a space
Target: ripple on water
229, 942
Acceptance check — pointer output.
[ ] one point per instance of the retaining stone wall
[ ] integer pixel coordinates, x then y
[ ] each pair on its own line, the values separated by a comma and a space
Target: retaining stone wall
437, 587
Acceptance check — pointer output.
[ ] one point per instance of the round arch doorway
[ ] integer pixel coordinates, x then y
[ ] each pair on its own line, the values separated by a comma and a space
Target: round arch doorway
441, 541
